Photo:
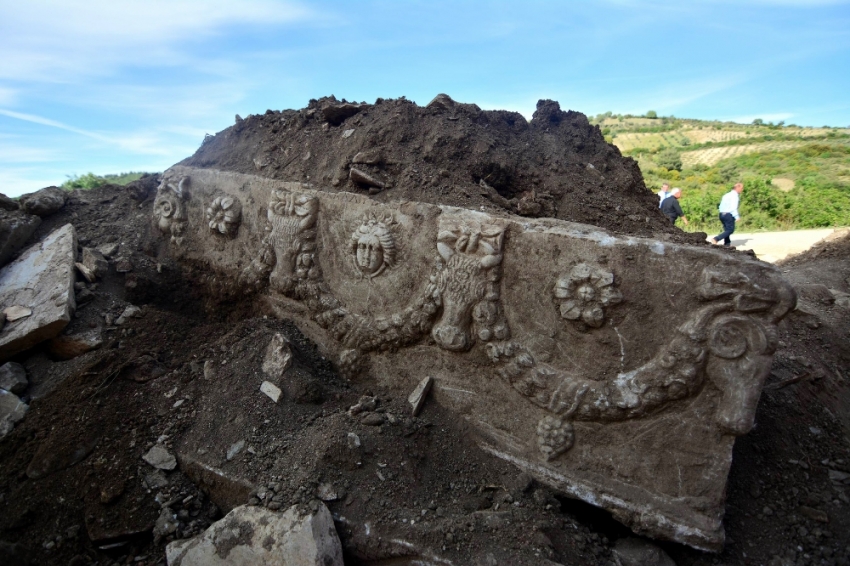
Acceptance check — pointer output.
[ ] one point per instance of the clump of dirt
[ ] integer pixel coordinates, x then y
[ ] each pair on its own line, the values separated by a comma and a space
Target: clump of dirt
555, 165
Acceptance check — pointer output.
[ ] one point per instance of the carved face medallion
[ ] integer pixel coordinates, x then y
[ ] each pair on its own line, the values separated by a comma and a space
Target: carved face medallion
373, 246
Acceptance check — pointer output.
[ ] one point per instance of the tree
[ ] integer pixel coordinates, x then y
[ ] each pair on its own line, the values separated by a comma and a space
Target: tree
652, 114
758, 122
670, 159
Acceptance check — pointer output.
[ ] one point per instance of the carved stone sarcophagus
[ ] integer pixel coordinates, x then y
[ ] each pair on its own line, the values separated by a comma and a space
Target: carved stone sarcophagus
617, 370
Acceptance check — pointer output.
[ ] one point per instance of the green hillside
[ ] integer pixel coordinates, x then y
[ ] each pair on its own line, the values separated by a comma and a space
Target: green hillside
794, 177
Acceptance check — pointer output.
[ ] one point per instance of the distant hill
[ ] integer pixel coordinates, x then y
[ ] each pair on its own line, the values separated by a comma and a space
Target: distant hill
795, 177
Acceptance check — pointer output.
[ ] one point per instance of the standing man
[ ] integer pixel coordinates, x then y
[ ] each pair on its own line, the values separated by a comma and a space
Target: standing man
663, 193
671, 207
728, 214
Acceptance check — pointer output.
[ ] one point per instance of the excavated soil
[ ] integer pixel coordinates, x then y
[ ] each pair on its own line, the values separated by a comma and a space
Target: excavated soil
556, 165
75, 490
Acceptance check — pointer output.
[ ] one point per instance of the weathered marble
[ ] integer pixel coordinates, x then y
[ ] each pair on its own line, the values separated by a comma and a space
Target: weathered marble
618, 370
41, 280
253, 536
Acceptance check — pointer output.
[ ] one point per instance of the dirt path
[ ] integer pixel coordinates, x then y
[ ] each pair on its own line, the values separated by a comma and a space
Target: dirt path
775, 246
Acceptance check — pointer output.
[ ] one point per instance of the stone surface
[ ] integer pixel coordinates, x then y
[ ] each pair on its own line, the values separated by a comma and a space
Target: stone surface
278, 357
15, 229
364, 178
131, 311
12, 410
69, 346
417, 396
271, 390
13, 378
637, 552
44, 202
254, 536
41, 279
617, 370
160, 458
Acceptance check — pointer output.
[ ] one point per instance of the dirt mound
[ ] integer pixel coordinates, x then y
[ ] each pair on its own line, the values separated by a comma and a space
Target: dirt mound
556, 165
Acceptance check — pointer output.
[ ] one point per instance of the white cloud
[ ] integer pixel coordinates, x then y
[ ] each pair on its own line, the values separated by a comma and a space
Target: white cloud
53, 40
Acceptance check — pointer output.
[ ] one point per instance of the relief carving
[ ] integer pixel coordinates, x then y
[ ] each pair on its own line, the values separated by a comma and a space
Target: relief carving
224, 215
584, 292
169, 209
287, 254
728, 343
468, 280
373, 247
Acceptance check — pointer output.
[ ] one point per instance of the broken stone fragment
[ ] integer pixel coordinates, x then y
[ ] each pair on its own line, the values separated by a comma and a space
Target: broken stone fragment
87, 273
123, 265
108, 250
131, 311
16, 312
271, 390
13, 378
44, 202
347, 133
41, 281
372, 419
160, 458
69, 346
278, 357
417, 396
235, 449
255, 536
362, 178
365, 404
95, 261
633, 551
12, 410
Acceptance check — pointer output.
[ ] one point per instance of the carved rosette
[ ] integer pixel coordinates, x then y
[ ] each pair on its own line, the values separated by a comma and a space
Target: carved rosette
169, 209
224, 215
373, 246
584, 293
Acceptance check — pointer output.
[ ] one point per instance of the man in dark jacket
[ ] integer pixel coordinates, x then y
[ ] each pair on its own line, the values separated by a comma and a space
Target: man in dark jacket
671, 208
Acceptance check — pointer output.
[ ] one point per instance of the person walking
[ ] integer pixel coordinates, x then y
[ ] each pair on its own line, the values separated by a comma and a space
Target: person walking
663, 193
671, 207
728, 214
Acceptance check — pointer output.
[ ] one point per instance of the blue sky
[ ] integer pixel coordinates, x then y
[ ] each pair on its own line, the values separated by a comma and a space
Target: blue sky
111, 85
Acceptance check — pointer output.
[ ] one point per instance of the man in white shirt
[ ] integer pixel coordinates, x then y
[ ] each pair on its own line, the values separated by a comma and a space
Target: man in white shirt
728, 214
663, 193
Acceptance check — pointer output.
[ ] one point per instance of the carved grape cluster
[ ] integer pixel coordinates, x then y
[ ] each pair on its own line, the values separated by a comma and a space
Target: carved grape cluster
554, 436
584, 292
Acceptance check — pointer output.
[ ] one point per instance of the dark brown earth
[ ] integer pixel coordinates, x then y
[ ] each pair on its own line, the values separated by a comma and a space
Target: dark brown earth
72, 481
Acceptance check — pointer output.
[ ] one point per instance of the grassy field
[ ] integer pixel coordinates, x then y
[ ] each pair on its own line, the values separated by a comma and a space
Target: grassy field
794, 177
91, 181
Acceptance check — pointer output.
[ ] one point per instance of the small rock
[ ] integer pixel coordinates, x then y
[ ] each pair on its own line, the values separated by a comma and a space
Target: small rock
270, 389
366, 403
353, 441
95, 261
813, 514
69, 346
166, 524
372, 419
123, 265
44, 202
638, 552
155, 480
839, 477
160, 458
347, 133
327, 492
363, 178
12, 411
87, 273
235, 449
131, 311
13, 378
16, 312
210, 370
108, 250
441, 102
278, 357
417, 396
